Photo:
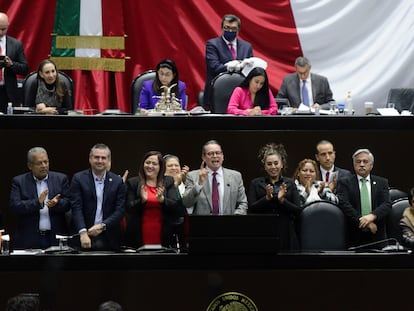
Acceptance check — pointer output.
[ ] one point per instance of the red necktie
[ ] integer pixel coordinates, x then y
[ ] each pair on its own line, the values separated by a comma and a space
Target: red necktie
232, 50
327, 177
215, 195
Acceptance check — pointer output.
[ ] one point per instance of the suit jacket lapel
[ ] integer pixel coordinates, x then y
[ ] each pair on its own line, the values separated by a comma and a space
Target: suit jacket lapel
314, 86
226, 190
107, 187
31, 181
374, 189
357, 193
92, 186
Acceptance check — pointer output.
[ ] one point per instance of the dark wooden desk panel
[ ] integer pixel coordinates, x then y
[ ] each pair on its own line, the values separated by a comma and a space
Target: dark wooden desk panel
188, 283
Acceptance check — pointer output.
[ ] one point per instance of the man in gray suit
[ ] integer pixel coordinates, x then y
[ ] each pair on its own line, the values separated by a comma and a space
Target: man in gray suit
316, 88
199, 194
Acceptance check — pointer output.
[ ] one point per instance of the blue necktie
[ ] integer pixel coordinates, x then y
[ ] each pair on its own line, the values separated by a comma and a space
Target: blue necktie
305, 95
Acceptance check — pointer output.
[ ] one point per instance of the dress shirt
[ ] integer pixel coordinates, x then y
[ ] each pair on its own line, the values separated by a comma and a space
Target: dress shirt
99, 188
234, 44
309, 88
44, 219
220, 183
3, 52
323, 174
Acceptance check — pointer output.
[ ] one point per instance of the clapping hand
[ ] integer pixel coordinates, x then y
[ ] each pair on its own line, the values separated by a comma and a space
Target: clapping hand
160, 194
53, 202
282, 192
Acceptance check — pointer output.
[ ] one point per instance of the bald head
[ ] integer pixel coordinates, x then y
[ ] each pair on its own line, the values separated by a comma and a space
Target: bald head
4, 24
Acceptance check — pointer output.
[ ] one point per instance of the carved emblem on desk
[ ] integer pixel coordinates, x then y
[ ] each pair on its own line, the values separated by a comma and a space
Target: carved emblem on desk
232, 301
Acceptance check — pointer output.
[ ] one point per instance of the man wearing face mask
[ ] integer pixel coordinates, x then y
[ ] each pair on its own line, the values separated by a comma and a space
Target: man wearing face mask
224, 49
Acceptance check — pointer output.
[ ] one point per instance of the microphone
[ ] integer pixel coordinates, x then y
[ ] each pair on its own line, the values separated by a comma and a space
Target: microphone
396, 247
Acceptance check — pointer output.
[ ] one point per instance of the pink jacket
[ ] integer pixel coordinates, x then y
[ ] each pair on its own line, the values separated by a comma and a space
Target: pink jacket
240, 101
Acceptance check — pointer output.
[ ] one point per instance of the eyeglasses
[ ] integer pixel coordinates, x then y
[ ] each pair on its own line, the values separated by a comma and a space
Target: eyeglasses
212, 153
228, 28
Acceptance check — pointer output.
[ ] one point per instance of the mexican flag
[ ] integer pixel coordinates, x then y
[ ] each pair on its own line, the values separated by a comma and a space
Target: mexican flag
89, 39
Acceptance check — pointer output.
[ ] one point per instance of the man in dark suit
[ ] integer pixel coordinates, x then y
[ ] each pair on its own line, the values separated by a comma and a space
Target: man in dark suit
325, 154
366, 213
98, 198
316, 88
40, 200
221, 50
198, 195
14, 63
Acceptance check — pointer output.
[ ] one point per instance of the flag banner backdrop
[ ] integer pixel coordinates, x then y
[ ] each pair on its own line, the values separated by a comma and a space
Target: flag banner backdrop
360, 46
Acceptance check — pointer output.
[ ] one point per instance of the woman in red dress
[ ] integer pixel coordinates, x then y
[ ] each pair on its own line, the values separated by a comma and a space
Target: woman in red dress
152, 204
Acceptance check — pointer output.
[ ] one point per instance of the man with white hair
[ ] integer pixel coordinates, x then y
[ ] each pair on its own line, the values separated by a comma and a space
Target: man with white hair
365, 200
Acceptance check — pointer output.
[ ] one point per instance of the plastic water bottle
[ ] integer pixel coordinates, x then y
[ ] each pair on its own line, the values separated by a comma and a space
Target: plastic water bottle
349, 107
9, 108
341, 108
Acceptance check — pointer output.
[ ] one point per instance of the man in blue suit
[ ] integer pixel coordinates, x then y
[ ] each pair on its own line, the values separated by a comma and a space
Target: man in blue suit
40, 200
223, 49
98, 198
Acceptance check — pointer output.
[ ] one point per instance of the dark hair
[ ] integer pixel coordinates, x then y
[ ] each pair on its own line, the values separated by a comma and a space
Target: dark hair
230, 18
322, 142
271, 149
60, 86
160, 176
210, 142
262, 96
170, 64
410, 195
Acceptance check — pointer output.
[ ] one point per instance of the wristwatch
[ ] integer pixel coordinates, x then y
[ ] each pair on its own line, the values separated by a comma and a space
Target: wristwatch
103, 226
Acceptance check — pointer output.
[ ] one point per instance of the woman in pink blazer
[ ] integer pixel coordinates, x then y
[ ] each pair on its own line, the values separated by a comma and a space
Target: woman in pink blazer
253, 96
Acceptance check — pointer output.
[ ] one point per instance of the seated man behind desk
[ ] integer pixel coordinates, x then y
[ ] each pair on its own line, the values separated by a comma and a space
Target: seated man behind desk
39, 198
213, 189
303, 87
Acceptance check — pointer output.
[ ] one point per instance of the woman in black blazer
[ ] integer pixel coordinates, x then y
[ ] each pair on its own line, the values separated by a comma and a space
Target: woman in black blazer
276, 194
152, 204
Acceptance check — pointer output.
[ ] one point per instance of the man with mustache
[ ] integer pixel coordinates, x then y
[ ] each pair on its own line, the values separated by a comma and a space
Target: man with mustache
365, 200
40, 199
